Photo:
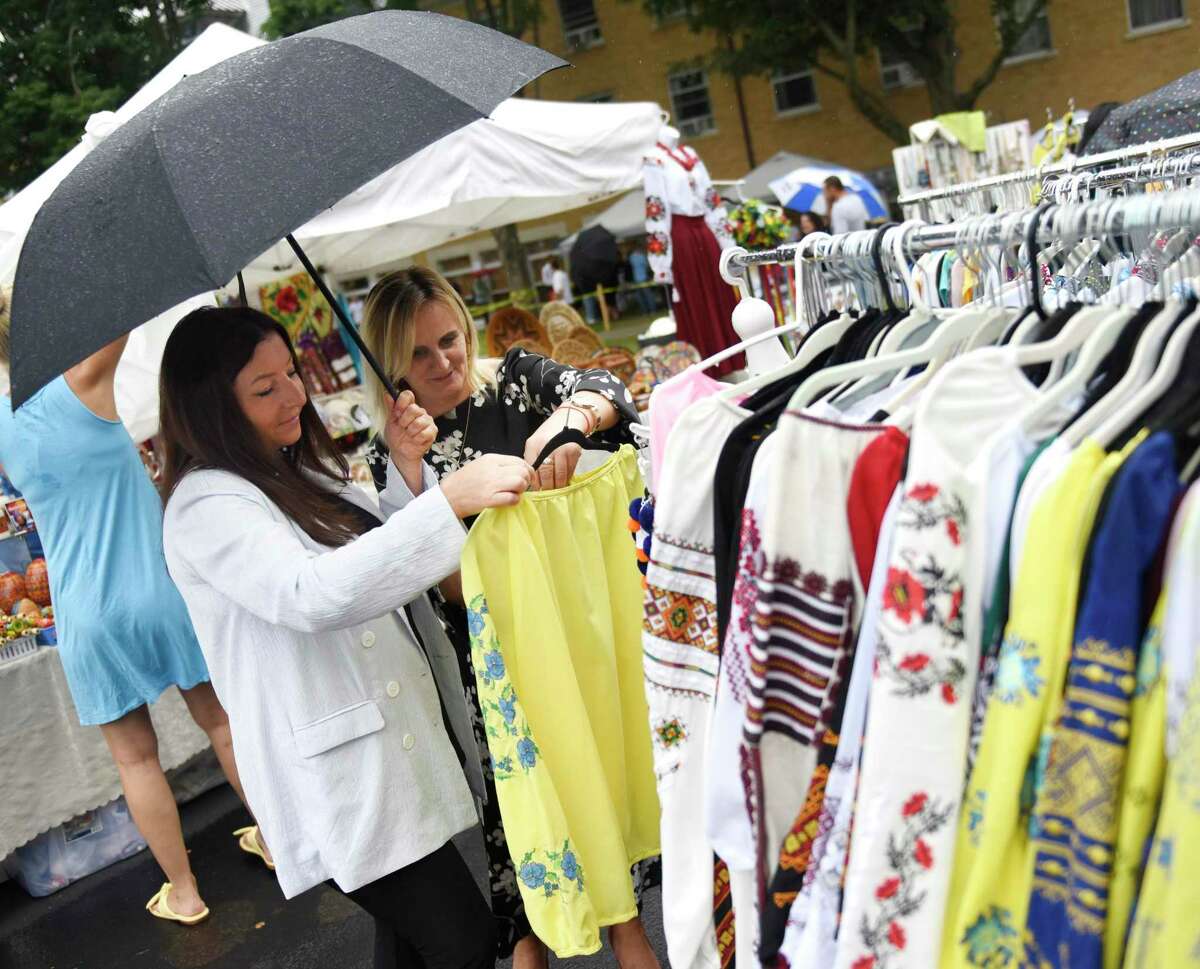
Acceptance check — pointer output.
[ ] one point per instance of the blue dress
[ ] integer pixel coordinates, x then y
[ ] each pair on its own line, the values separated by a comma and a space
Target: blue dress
124, 634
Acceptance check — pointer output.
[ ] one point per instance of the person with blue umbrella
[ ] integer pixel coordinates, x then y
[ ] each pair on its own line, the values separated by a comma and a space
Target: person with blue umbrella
847, 213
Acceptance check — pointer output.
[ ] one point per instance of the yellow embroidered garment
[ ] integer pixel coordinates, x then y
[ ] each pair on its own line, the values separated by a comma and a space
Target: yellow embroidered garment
554, 601
990, 886
1141, 789
1165, 931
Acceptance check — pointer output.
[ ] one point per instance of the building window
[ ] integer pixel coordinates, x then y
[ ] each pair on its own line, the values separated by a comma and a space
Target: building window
600, 97
677, 10
690, 104
1154, 13
1036, 40
580, 24
794, 92
895, 71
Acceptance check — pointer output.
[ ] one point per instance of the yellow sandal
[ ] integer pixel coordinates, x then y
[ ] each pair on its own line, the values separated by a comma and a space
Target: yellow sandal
248, 842
160, 908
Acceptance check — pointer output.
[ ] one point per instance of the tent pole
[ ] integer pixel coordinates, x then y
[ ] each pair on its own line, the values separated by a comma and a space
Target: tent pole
341, 315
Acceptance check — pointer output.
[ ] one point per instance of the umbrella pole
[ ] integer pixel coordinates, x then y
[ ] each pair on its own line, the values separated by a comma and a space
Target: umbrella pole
341, 315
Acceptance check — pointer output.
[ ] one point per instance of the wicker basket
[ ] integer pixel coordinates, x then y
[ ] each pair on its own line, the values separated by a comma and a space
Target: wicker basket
559, 319
574, 353
511, 324
616, 360
533, 346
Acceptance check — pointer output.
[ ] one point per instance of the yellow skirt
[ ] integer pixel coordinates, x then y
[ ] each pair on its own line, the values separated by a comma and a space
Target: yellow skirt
554, 603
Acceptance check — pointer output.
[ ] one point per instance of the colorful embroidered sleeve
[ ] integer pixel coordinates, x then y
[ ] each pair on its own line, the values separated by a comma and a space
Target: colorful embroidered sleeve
658, 221
1076, 810
989, 890
1140, 789
715, 213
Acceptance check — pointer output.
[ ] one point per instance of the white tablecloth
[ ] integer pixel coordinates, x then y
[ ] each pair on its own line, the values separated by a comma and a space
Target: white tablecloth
51, 768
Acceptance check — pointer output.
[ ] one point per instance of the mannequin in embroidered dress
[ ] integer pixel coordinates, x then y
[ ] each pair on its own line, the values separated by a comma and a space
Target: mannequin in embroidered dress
686, 229
423, 335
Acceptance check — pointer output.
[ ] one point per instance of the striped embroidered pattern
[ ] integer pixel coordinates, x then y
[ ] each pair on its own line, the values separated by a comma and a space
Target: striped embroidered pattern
801, 623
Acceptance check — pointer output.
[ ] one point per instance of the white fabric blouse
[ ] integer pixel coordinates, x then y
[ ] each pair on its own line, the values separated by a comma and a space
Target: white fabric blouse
335, 718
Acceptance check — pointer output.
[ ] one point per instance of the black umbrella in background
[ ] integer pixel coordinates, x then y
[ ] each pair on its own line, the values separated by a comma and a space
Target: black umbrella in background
594, 259
183, 195
1165, 113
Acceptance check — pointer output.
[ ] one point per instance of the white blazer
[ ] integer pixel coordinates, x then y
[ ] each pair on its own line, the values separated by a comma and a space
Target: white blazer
335, 718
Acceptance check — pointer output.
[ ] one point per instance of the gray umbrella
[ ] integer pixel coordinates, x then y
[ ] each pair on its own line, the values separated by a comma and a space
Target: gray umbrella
228, 162
1164, 113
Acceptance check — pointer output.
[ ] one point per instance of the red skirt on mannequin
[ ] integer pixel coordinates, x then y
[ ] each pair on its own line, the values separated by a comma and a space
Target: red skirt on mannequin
706, 301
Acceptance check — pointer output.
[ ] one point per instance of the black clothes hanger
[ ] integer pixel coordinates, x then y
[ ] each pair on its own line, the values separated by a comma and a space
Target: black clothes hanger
1047, 329
571, 435
1035, 272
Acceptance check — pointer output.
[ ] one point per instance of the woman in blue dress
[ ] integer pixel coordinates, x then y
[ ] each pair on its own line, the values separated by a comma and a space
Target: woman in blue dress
124, 633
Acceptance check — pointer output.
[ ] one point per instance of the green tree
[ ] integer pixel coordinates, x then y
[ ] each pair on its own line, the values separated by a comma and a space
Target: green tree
64, 60
292, 16
835, 39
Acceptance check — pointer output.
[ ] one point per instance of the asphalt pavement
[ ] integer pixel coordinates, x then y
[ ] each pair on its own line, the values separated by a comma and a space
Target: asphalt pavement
99, 922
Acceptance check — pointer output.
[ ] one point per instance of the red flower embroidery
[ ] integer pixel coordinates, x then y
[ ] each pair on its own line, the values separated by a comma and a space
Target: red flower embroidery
914, 662
286, 300
948, 693
896, 935
904, 595
841, 591
866, 962
888, 888
952, 531
923, 854
923, 492
814, 583
915, 804
956, 604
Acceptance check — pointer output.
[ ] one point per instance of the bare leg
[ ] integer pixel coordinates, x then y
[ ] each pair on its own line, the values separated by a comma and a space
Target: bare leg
134, 748
631, 947
210, 717
531, 953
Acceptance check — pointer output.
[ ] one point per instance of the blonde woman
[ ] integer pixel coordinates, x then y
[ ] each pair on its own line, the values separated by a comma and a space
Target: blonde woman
418, 327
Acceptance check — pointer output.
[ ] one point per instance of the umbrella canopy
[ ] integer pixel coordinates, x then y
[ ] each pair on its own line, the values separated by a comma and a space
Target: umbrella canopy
800, 190
756, 183
178, 199
1170, 111
594, 259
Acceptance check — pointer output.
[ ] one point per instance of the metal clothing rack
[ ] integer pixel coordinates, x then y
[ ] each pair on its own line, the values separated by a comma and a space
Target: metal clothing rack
1160, 210
1166, 146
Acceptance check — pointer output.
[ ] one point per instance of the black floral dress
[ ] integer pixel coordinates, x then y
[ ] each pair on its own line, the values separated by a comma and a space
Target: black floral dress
500, 420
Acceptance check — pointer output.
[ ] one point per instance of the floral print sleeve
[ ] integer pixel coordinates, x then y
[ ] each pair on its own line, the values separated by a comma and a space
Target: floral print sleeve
530, 381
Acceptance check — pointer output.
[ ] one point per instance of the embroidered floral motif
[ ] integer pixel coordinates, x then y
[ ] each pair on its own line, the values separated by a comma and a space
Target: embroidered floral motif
1017, 672
655, 209
899, 896
551, 871
509, 736
658, 244
974, 812
917, 674
991, 940
670, 733
750, 562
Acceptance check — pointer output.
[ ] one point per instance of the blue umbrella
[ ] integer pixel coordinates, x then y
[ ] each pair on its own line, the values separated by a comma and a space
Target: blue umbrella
800, 190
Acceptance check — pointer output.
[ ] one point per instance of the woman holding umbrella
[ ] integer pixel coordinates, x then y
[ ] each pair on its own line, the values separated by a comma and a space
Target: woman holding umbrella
419, 329
308, 600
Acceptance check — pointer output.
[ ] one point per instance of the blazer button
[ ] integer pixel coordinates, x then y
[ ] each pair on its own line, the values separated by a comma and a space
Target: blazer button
368, 639
408, 741
393, 689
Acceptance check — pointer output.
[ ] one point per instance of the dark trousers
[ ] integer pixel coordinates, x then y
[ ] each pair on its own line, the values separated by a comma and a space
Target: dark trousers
430, 915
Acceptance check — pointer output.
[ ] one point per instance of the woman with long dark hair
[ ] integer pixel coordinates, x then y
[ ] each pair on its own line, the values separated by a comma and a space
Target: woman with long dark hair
348, 718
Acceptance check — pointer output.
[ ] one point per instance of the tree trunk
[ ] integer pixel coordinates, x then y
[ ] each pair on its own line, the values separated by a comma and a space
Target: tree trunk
512, 255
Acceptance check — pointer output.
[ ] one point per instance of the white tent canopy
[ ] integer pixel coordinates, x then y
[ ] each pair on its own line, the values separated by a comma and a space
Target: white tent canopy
756, 183
531, 159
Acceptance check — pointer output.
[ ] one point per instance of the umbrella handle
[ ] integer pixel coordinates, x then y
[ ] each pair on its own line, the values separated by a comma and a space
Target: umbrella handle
341, 315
